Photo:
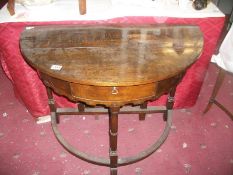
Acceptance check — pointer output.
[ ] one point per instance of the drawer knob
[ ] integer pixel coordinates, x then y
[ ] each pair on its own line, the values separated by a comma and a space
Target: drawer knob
114, 90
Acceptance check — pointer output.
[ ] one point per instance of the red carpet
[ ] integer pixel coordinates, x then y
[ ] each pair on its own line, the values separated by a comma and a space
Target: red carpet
197, 144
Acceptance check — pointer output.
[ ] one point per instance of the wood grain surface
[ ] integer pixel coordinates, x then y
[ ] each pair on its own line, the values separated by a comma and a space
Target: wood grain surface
112, 55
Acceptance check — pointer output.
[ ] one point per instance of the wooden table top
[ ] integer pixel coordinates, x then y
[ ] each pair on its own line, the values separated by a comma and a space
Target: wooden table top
111, 55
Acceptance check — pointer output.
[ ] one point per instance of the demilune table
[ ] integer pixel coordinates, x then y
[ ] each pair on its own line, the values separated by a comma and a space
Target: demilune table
28, 87
117, 67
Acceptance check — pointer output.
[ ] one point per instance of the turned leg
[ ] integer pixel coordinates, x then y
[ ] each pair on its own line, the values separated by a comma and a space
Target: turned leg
52, 103
81, 107
113, 132
142, 116
170, 103
217, 86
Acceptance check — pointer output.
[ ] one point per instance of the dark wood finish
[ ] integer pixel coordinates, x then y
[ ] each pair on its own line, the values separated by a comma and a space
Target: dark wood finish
128, 55
213, 100
51, 102
113, 132
81, 107
170, 102
112, 66
102, 110
106, 162
110, 96
142, 116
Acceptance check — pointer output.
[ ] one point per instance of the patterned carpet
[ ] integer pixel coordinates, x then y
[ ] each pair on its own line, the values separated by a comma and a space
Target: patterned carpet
197, 144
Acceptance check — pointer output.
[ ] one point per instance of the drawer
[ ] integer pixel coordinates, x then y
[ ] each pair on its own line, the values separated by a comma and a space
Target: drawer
61, 87
111, 94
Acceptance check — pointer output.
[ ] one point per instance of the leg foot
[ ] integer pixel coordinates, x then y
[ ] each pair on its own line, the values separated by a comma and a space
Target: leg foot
113, 171
170, 103
57, 119
209, 105
217, 86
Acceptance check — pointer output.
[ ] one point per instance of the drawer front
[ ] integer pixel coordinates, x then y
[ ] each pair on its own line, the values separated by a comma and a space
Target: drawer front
61, 87
119, 94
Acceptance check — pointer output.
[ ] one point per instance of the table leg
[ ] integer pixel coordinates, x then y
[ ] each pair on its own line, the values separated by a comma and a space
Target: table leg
52, 103
142, 116
81, 107
170, 103
217, 86
113, 132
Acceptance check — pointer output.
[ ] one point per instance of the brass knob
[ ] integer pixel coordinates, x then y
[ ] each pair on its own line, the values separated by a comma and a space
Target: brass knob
114, 90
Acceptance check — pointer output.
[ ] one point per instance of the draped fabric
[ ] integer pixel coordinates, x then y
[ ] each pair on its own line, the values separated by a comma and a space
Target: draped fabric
224, 59
31, 92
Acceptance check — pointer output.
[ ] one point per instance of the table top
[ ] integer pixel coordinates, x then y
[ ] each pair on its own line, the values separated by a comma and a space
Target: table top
111, 55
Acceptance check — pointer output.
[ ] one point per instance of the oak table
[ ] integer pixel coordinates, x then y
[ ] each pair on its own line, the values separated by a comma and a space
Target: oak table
118, 67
